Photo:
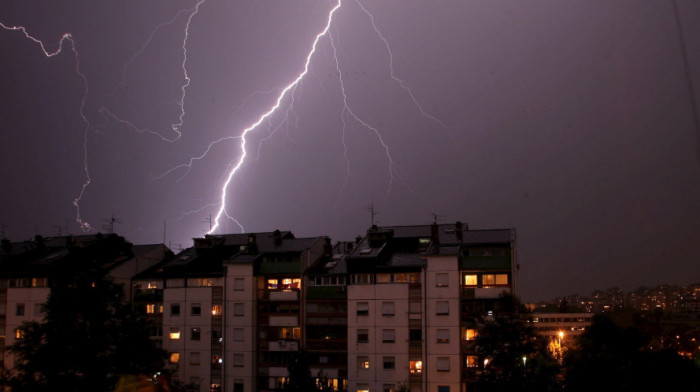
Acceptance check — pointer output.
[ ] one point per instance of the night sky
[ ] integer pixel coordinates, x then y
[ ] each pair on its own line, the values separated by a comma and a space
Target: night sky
571, 121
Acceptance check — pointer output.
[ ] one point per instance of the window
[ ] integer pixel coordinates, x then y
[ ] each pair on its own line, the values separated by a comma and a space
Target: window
442, 308
470, 334
362, 336
238, 284
175, 309
443, 388
289, 284
19, 310
501, 279
388, 335
389, 363
194, 358
470, 280
196, 334
415, 335
174, 357
362, 387
443, 335
363, 308
401, 278
362, 362
471, 361
237, 385
442, 279
238, 334
174, 333
19, 333
238, 360
40, 282
415, 367
216, 310
443, 364
388, 388
196, 310
238, 309
387, 308
488, 280
150, 308
38, 309
414, 307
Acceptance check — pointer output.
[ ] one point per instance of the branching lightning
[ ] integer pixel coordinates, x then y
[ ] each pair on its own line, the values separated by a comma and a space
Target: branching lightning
290, 87
68, 37
175, 127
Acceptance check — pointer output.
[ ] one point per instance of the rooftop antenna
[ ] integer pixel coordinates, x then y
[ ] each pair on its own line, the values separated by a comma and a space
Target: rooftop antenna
436, 217
164, 228
372, 213
110, 224
210, 220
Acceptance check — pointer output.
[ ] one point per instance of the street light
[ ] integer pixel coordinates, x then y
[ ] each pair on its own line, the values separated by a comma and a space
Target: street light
561, 335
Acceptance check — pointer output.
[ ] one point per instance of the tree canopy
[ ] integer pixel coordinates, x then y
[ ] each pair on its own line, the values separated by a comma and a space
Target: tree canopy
89, 338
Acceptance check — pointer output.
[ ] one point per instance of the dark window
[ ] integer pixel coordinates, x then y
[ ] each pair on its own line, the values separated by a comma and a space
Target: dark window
19, 310
175, 309
196, 334
415, 335
362, 336
196, 309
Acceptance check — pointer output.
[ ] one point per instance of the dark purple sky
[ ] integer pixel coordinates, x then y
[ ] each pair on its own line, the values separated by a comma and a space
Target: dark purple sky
569, 120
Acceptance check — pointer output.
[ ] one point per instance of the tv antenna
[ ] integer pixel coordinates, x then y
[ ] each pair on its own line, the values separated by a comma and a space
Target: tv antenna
109, 226
372, 213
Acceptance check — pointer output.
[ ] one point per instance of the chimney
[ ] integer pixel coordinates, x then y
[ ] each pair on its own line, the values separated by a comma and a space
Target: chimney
327, 247
458, 231
252, 243
434, 233
277, 236
358, 239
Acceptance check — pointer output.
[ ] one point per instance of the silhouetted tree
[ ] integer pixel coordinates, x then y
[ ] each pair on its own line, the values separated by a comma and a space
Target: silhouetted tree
89, 338
504, 339
609, 357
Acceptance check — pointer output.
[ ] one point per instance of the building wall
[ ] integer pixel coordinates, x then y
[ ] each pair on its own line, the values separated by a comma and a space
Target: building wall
240, 332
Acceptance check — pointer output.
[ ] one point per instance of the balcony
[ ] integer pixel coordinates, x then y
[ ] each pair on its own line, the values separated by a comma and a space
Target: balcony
283, 345
283, 321
283, 295
327, 344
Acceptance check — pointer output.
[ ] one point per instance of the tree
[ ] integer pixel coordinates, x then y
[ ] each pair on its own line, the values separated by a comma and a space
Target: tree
300, 379
622, 357
89, 338
516, 357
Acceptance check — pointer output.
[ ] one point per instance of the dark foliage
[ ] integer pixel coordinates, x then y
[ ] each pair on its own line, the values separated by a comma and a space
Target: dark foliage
504, 340
89, 339
608, 357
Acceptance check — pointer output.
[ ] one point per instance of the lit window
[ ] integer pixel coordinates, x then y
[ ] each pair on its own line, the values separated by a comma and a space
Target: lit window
362, 362
40, 282
470, 334
150, 308
388, 336
443, 364
401, 278
363, 308
488, 280
443, 335
387, 308
153, 285
442, 279
388, 388
442, 308
501, 279
19, 333
389, 363
216, 310
238, 309
174, 333
272, 284
362, 387
289, 284
174, 357
416, 367
238, 284
472, 361
362, 336
470, 280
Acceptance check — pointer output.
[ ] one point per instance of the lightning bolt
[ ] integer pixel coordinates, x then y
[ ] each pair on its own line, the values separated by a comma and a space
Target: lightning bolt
175, 127
84, 225
265, 116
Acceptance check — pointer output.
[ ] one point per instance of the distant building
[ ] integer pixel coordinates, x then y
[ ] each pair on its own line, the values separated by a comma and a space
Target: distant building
559, 325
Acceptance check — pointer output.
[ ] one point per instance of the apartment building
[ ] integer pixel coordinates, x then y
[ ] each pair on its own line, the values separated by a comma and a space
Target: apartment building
415, 295
398, 306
